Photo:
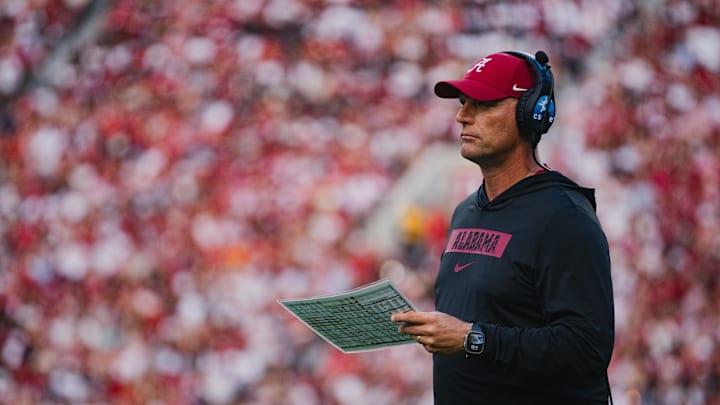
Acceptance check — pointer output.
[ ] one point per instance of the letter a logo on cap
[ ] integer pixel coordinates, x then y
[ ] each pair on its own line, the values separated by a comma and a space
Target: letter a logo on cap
479, 65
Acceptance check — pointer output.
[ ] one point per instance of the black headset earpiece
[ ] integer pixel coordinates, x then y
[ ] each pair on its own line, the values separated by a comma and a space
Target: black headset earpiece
536, 107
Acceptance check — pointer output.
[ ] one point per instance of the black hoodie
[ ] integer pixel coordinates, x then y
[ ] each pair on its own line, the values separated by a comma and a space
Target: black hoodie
532, 267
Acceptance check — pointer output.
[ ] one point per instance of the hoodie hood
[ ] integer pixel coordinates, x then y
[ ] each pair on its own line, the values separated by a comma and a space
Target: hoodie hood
529, 185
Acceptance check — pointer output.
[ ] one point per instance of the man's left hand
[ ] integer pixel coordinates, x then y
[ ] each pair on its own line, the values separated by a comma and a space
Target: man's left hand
438, 332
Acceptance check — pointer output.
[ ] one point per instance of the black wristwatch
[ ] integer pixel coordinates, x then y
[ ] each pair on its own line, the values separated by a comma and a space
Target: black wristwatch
474, 341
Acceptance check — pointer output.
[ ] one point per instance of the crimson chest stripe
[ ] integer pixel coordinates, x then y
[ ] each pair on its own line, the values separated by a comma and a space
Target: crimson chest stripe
478, 241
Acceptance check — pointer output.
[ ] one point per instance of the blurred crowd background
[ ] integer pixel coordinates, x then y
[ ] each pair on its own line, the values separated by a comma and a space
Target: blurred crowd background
169, 169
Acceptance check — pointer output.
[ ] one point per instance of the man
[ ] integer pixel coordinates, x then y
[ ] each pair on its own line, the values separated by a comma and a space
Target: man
524, 303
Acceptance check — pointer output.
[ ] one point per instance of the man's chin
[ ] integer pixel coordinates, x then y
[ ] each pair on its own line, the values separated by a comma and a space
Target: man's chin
471, 156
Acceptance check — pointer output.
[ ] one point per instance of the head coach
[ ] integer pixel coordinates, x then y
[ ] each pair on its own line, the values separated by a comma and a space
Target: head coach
524, 299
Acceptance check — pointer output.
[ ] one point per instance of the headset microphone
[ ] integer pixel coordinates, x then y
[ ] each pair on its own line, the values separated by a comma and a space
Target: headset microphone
542, 57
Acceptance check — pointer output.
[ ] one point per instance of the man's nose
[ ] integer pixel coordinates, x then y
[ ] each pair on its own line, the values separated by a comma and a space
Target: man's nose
463, 115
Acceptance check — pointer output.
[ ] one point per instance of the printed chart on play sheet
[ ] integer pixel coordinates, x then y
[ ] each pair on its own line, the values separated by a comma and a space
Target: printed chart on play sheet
357, 320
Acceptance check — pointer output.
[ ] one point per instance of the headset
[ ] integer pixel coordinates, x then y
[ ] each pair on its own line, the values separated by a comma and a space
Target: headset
535, 111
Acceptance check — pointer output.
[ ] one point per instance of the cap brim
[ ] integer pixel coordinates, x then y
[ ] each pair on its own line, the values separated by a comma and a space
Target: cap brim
470, 88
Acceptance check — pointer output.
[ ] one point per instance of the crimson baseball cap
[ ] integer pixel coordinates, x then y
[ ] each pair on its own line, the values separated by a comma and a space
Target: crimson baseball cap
493, 77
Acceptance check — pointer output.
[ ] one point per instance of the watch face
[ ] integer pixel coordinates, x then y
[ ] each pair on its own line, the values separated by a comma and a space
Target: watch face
475, 342
476, 339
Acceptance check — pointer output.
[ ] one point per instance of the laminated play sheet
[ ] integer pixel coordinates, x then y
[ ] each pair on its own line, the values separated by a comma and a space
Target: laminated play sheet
357, 320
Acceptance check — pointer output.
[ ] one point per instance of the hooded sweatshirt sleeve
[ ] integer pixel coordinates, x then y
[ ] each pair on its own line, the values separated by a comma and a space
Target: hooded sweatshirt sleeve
574, 291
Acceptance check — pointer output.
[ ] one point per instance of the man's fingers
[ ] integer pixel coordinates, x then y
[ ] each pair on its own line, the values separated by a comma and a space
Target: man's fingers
408, 329
413, 323
407, 317
400, 316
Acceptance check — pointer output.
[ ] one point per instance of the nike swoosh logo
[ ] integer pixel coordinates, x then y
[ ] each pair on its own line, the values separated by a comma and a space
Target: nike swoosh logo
516, 88
458, 267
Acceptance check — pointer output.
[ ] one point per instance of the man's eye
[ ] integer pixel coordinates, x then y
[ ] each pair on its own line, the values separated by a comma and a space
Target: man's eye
468, 101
